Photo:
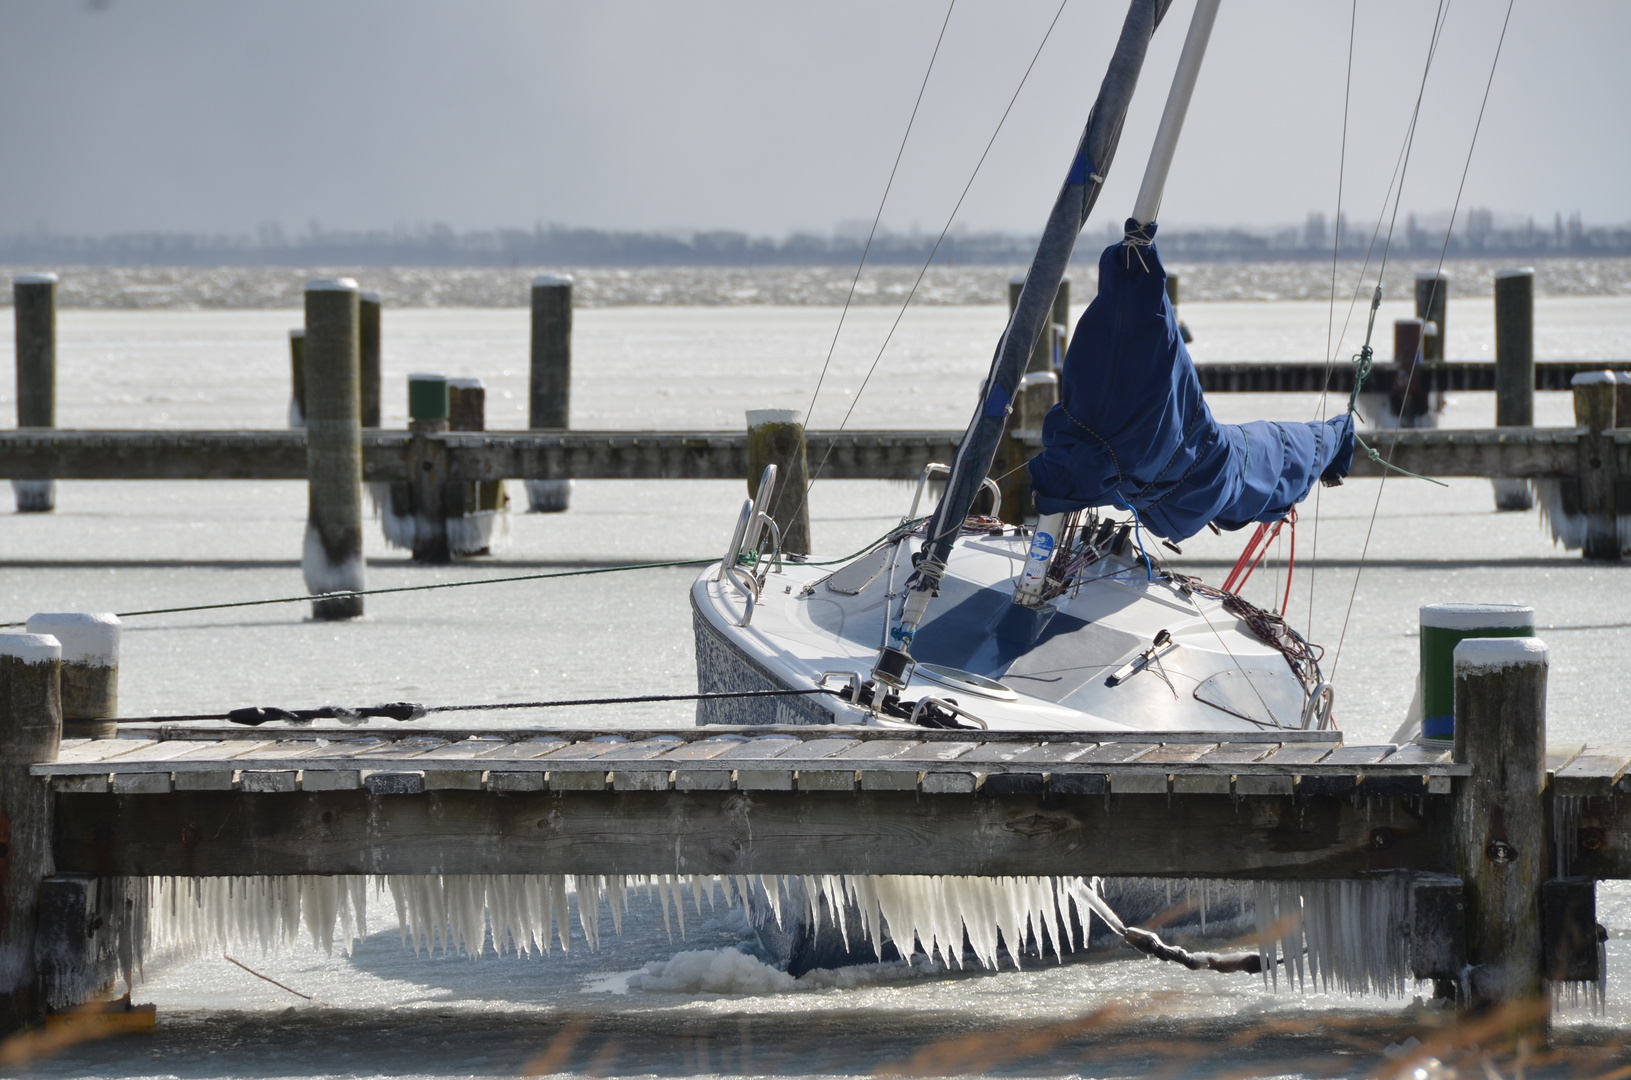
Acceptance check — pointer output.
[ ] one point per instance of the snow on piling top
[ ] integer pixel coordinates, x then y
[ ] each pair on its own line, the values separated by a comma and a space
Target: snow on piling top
1593, 378
544, 281
30, 648
298, 332
464, 384
34, 279
758, 417
1515, 271
1477, 616
87, 637
332, 284
1476, 655
369, 296
1432, 275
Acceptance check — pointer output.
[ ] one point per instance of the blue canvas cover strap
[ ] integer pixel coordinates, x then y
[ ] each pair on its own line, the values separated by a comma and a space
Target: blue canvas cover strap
1133, 429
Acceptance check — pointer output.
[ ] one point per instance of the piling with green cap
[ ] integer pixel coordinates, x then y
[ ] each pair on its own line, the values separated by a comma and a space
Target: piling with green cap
1443, 626
425, 505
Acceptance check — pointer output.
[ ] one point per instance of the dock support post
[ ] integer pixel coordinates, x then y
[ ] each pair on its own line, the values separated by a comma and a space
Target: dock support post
30, 732
90, 669
1514, 369
1499, 823
34, 309
1594, 411
297, 378
1049, 351
1433, 306
429, 412
333, 560
368, 305
1172, 298
550, 401
775, 437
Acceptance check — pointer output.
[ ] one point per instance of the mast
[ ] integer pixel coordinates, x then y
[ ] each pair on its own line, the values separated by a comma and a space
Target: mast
1148, 203
1091, 163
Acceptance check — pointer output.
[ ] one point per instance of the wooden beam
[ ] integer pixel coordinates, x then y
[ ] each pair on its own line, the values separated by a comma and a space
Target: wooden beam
771, 832
676, 455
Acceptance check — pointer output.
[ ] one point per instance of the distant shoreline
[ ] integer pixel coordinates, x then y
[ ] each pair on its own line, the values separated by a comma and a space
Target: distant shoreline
261, 287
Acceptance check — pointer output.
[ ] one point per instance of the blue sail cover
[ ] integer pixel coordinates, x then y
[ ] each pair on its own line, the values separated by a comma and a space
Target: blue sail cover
1132, 428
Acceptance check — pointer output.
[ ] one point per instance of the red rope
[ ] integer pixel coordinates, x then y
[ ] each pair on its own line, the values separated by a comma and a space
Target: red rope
1291, 562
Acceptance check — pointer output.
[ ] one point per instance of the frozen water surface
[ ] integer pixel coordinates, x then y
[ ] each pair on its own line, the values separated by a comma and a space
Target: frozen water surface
380, 1010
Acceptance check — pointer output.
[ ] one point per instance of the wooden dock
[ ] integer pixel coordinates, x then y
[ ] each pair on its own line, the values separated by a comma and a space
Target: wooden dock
64, 454
1470, 827
726, 801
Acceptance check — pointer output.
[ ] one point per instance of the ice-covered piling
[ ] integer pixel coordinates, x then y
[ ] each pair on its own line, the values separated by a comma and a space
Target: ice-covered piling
1499, 814
90, 669
333, 559
297, 378
478, 519
30, 732
1433, 307
1514, 369
776, 437
550, 391
368, 307
1582, 512
34, 310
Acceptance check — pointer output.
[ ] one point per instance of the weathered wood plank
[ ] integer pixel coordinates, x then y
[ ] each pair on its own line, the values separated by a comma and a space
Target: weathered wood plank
1170, 753
1115, 752
1594, 771
465, 832
1237, 753
1358, 755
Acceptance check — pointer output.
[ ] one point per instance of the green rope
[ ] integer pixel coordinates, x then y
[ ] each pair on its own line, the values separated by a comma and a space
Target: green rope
1386, 464
1363, 362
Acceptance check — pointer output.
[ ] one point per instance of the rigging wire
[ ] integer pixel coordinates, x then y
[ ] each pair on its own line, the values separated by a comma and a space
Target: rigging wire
1444, 248
876, 218
1330, 319
816, 472
587, 571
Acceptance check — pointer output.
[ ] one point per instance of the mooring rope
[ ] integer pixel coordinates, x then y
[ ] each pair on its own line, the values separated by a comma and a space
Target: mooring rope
256, 715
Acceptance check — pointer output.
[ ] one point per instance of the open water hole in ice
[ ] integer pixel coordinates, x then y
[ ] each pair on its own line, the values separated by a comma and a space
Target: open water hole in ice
122, 546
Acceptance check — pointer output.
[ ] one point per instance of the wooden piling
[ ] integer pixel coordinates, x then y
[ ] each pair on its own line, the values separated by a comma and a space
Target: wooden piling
1594, 411
368, 305
776, 437
297, 377
1049, 351
1514, 369
429, 410
30, 732
1432, 305
333, 560
1410, 396
34, 311
1172, 298
90, 669
1499, 816
474, 509
550, 392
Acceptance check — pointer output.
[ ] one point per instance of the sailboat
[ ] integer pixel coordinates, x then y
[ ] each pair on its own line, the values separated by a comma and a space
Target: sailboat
1073, 622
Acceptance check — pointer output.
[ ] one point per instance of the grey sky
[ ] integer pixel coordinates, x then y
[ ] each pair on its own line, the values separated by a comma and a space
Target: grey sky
220, 115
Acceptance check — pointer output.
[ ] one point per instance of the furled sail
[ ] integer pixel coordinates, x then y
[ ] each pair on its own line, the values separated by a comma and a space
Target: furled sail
1132, 429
